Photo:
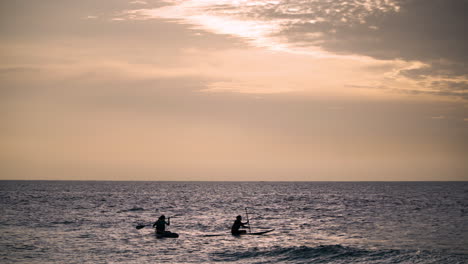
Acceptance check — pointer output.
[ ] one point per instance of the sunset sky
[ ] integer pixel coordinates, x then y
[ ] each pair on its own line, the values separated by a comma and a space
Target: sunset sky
303, 90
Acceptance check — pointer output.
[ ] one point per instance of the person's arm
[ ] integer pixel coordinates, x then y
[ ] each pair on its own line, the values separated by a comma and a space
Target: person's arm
154, 223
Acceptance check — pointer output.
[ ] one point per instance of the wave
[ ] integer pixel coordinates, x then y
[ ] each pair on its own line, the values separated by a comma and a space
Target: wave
134, 209
336, 254
63, 222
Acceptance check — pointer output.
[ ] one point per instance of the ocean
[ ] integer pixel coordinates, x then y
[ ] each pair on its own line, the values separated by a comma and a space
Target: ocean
314, 222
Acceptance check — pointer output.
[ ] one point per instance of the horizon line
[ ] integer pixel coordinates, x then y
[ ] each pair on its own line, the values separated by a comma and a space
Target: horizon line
195, 181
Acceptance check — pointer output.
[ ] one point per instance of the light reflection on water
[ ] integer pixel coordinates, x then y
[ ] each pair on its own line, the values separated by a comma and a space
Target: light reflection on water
95, 221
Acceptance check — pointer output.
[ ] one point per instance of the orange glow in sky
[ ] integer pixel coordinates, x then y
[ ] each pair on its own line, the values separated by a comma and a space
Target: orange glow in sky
233, 90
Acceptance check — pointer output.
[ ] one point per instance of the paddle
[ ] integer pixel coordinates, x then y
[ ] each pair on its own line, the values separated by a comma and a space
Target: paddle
140, 226
248, 219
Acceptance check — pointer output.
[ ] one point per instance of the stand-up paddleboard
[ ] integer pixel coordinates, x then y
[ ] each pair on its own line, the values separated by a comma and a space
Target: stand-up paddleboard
259, 233
242, 234
167, 235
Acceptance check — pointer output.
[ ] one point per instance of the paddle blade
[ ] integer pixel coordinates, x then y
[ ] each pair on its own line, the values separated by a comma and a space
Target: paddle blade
140, 226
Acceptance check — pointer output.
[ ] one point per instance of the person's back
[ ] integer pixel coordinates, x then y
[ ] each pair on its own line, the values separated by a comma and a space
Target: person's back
237, 225
161, 224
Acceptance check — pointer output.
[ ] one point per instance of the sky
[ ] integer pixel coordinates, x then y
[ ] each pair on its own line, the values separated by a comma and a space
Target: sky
266, 90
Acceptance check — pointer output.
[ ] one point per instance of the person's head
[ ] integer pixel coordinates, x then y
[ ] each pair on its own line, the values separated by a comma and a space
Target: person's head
239, 217
162, 217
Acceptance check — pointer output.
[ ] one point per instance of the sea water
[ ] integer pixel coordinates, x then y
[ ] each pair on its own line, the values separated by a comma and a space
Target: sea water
314, 222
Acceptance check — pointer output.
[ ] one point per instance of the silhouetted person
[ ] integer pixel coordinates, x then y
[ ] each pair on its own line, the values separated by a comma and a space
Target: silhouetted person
161, 225
237, 225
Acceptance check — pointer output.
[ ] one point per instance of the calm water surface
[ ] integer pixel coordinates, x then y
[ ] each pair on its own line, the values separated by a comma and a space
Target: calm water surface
318, 222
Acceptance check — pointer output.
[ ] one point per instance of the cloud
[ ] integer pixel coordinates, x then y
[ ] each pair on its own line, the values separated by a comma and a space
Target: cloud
454, 86
19, 69
405, 30
384, 30
440, 69
139, 2
91, 17
391, 30
194, 86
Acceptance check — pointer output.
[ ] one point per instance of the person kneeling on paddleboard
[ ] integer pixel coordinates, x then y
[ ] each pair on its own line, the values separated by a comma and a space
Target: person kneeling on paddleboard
161, 225
237, 225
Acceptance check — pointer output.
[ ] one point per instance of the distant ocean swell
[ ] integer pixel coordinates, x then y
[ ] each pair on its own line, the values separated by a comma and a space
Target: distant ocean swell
318, 222
335, 254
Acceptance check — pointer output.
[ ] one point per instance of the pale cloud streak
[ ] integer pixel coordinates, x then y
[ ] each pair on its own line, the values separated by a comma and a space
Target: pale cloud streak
139, 2
323, 30
259, 22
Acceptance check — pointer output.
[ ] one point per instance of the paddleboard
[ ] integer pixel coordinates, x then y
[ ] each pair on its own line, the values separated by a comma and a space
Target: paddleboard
167, 235
253, 234
259, 233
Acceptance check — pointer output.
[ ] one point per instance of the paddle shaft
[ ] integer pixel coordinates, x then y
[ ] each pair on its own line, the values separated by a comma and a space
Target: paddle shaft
142, 226
248, 219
